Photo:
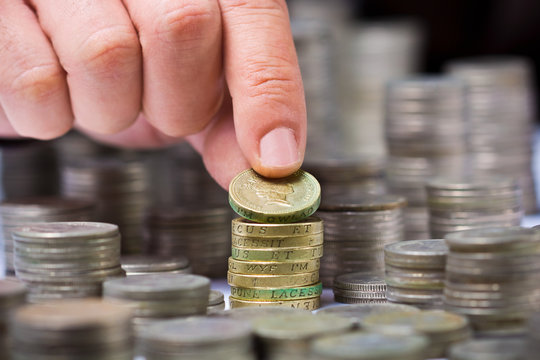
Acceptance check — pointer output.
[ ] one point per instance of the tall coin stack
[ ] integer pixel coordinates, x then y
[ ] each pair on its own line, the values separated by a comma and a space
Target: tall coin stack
22, 211
471, 203
415, 272
426, 137
356, 231
501, 112
12, 295
276, 260
120, 188
200, 233
66, 259
492, 277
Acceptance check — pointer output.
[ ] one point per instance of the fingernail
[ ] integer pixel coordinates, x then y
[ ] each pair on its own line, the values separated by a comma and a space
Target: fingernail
278, 148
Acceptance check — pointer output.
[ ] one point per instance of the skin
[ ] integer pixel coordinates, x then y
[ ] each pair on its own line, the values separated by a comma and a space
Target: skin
140, 74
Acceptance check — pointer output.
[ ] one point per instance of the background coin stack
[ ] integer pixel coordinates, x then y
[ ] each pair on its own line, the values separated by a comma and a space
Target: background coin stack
198, 339
501, 111
442, 328
120, 188
425, 133
492, 349
202, 234
154, 264
12, 295
276, 264
533, 336
66, 259
492, 276
73, 329
216, 302
23, 211
358, 288
471, 203
415, 272
356, 231
160, 296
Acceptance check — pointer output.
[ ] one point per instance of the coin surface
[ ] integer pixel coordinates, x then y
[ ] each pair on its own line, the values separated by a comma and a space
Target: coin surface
309, 226
273, 267
358, 312
304, 304
276, 294
278, 201
272, 281
489, 349
278, 254
276, 241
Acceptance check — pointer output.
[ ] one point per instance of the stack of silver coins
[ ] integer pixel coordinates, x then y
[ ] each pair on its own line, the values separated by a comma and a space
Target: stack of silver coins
490, 349
533, 337
73, 329
288, 337
160, 296
471, 203
426, 137
501, 112
197, 339
66, 259
216, 302
359, 288
492, 277
12, 295
368, 346
23, 211
415, 272
154, 264
442, 328
356, 231
120, 188
202, 234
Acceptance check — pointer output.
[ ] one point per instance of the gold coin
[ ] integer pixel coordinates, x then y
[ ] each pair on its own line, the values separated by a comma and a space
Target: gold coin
272, 267
285, 254
274, 201
305, 304
272, 281
276, 241
303, 292
310, 226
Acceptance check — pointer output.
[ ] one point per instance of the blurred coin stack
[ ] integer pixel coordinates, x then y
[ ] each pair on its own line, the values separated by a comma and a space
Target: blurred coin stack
276, 264
119, 186
471, 203
198, 339
356, 231
216, 302
23, 211
415, 272
160, 296
66, 259
200, 233
154, 264
359, 288
12, 295
533, 337
490, 349
288, 337
492, 276
426, 137
501, 115
73, 329
442, 328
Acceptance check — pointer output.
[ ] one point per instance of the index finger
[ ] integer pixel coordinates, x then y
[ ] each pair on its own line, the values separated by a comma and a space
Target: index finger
264, 80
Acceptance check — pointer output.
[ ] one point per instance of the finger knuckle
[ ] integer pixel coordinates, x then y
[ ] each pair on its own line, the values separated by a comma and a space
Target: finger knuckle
272, 82
39, 83
257, 5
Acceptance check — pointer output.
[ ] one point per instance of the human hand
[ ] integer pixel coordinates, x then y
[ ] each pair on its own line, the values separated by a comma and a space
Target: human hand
138, 73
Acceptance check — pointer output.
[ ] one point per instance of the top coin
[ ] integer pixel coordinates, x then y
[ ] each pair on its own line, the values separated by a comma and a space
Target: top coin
274, 201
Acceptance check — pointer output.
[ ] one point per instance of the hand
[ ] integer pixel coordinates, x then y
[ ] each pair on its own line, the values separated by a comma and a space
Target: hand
139, 73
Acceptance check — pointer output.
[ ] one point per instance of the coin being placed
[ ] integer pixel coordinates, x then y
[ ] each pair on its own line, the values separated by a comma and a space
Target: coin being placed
274, 201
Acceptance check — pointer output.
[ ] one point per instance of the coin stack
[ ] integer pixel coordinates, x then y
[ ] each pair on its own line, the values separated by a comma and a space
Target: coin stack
23, 211
501, 111
415, 272
369, 346
442, 328
216, 302
66, 259
12, 295
359, 288
154, 264
198, 339
119, 186
277, 247
202, 234
356, 231
492, 277
490, 349
471, 203
426, 137
73, 329
533, 337
288, 337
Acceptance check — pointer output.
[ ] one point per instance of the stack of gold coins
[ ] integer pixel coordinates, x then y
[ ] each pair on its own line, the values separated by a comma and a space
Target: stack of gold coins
277, 248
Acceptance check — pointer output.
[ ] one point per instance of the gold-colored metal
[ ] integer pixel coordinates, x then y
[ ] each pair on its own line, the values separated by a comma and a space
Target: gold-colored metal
272, 281
272, 267
305, 304
276, 241
303, 292
278, 254
310, 226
